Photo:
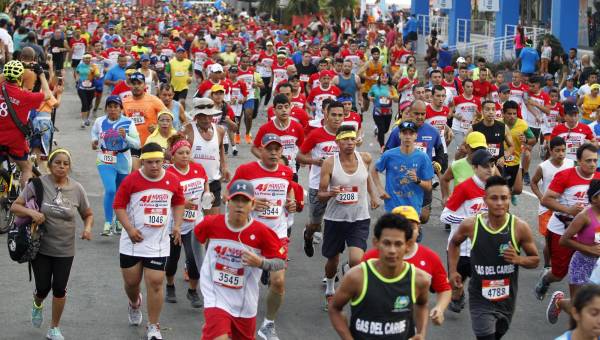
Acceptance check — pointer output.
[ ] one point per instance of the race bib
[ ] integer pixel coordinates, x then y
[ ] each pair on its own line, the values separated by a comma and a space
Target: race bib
108, 157
155, 217
228, 277
465, 125
190, 215
495, 290
160, 65
572, 147
179, 74
272, 212
597, 236
384, 101
421, 146
304, 78
494, 149
347, 195
510, 158
138, 118
86, 83
55, 49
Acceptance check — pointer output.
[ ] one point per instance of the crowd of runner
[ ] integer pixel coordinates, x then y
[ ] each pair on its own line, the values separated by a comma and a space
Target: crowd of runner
168, 184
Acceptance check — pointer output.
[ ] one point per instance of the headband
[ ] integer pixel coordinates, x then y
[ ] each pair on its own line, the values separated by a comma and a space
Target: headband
344, 99
59, 150
180, 144
346, 134
153, 154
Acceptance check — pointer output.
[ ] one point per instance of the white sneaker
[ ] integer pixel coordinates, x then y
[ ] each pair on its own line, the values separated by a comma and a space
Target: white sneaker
317, 237
153, 332
267, 332
135, 314
54, 334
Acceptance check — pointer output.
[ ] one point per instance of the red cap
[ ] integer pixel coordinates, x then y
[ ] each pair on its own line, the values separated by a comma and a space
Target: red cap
448, 69
324, 73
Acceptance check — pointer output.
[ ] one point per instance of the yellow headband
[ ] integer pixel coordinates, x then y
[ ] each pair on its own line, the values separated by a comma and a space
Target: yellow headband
346, 134
153, 154
59, 150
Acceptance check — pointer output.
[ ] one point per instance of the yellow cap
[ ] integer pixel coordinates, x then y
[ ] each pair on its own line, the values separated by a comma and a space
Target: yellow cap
595, 87
476, 139
130, 71
217, 88
165, 112
408, 212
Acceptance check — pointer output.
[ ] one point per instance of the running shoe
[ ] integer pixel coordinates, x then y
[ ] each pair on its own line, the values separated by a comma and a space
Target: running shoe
118, 227
82, 124
457, 306
324, 280
194, 298
54, 334
87, 122
553, 310
170, 296
345, 268
248, 138
328, 298
526, 179
447, 227
135, 313
268, 332
234, 151
317, 237
541, 287
106, 230
309, 248
37, 315
237, 138
513, 200
153, 332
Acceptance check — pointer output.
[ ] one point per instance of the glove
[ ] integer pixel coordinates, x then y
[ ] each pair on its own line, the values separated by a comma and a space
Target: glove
436, 167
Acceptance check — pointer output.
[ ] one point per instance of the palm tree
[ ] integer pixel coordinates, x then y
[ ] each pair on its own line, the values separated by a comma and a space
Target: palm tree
303, 7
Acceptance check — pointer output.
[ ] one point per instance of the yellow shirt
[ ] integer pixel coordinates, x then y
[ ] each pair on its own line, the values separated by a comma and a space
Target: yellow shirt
230, 58
590, 104
180, 73
157, 138
520, 128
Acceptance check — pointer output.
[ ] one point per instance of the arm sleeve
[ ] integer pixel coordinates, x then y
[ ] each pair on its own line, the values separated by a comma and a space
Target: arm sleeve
529, 133
271, 246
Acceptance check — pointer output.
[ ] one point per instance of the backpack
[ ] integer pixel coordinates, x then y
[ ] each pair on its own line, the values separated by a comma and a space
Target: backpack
24, 237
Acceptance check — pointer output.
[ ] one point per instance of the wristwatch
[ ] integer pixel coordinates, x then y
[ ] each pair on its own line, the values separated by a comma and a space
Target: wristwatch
418, 181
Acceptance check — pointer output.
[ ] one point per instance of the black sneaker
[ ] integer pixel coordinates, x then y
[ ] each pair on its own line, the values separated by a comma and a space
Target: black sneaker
170, 294
309, 248
454, 306
195, 300
235, 152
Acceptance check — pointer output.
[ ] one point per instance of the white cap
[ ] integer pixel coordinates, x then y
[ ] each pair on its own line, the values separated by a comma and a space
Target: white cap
204, 106
216, 68
461, 60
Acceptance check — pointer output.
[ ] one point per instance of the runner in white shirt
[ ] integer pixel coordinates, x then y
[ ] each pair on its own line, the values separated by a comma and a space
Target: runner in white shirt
145, 202
238, 249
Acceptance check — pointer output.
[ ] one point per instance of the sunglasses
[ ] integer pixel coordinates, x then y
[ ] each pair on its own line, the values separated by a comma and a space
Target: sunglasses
203, 107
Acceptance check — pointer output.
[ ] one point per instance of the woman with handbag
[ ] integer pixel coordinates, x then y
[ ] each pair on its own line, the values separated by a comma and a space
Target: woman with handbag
63, 199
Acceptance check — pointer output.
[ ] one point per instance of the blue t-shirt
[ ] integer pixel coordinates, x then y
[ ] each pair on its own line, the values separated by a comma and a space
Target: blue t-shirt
444, 58
529, 58
427, 136
379, 106
402, 190
115, 73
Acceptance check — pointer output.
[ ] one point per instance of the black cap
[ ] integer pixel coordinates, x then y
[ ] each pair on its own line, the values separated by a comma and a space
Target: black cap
241, 187
481, 157
233, 69
570, 108
503, 88
408, 125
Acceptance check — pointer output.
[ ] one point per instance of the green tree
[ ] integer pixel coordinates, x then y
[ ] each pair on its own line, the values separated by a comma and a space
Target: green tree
340, 8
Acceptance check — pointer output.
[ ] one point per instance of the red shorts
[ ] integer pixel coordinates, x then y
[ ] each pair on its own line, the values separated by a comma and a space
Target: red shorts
18, 149
559, 256
218, 322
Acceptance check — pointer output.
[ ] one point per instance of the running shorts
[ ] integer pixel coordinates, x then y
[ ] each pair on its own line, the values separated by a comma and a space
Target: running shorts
486, 321
543, 220
337, 235
559, 256
218, 322
315, 207
156, 263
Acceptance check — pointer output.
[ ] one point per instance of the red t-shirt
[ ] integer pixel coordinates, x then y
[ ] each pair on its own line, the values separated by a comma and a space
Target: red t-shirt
296, 114
122, 90
353, 119
291, 137
427, 260
481, 88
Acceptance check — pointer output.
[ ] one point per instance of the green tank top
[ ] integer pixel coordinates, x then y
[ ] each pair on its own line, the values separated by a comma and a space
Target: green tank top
461, 170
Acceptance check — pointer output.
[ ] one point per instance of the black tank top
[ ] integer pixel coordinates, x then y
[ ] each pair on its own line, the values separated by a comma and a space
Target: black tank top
494, 281
384, 310
494, 136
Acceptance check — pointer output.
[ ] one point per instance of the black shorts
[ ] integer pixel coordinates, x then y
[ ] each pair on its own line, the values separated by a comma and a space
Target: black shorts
463, 267
74, 63
135, 152
156, 263
427, 199
215, 189
487, 320
338, 235
180, 95
510, 174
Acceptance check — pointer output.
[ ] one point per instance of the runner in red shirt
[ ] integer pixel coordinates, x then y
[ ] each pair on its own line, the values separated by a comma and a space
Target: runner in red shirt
482, 87
350, 117
298, 97
572, 131
426, 259
324, 90
296, 114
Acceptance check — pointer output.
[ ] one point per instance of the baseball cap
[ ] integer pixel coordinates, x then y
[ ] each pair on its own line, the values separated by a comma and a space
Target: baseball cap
114, 99
503, 88
241, 187
481, 157
217, 88
145, 57
448, 69
476, 139
570, 108
270, 138
233, 69
180, 49
139, 76
595, 87
216, 68
460, 60
204, 106
269, 43
408, 125
548, 76
325, 73
408, 212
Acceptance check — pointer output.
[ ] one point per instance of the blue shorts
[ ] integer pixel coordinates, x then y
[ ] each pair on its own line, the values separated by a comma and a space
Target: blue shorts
41, 121
99, 84
249, 104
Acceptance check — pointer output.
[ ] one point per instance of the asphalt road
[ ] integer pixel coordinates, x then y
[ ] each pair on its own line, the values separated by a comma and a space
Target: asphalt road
97, 305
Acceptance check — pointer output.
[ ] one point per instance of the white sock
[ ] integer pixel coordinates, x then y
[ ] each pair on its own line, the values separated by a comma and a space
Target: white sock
267, 321
234, 147
330, 286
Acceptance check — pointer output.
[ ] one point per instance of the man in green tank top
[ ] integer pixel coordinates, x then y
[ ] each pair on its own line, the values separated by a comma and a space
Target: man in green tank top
388, 296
